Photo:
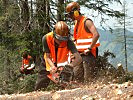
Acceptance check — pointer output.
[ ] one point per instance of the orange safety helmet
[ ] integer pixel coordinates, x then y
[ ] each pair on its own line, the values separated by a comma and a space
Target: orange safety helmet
73, 9
61, 31
71, 6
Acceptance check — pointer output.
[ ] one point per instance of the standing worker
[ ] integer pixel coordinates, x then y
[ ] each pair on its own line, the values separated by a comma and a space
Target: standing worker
86, 41
56, 47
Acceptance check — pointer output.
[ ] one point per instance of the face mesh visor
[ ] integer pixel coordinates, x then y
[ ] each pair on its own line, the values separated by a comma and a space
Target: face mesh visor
61, 38
69, 14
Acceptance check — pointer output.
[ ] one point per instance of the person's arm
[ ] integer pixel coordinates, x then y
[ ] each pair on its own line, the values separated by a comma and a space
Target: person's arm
50, 62
48, 57
77, 58
90, 25
31, 65
45, 45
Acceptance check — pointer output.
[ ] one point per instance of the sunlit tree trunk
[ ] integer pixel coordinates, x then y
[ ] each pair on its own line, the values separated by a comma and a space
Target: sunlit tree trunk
125, 41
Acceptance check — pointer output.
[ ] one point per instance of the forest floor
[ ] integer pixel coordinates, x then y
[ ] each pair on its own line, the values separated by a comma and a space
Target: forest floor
99, 91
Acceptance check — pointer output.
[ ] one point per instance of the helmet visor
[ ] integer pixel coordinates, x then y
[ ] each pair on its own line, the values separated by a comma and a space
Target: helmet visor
61, 38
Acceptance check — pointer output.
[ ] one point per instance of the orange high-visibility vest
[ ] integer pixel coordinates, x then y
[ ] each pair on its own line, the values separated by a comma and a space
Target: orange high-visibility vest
26, 61
83, 38
62, 53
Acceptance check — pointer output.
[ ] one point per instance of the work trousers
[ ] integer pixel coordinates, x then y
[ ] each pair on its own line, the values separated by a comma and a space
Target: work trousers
42, 79
86, 71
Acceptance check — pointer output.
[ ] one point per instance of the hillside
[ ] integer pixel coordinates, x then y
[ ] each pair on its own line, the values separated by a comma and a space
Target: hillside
93, 92
108, 42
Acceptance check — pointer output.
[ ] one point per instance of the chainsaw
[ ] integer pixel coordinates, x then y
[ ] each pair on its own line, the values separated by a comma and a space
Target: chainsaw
62, 76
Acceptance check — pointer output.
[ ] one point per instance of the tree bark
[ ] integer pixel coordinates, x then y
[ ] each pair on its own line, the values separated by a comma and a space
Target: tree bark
43, 15
6, 24
25, 15
60, 10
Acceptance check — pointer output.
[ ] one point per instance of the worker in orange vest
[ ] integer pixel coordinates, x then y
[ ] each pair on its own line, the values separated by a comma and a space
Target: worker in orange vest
57, 46
27, 64
86, 40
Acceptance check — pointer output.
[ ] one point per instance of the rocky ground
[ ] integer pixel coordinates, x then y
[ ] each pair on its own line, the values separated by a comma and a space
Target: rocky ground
97, 91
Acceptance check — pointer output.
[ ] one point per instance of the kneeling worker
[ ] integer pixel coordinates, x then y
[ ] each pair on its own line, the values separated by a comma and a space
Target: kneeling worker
28, 64
56, 46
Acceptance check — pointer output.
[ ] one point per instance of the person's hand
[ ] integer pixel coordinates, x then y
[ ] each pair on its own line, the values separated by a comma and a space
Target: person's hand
53, 70
87, 51
72, 57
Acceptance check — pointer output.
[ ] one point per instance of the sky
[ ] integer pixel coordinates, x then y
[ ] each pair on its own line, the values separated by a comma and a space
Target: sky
111, 22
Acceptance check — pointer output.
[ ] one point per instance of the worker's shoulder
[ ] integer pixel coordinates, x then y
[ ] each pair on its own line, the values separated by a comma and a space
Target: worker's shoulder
88, 20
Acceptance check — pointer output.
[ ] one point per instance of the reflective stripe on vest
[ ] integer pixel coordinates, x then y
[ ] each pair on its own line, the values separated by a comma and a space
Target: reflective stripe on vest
85, 43
83, 38
62, 64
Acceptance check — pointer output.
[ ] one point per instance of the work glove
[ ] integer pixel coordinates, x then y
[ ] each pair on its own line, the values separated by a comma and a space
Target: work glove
87, 51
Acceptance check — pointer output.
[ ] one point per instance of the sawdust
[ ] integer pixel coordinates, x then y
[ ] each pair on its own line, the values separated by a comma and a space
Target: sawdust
97, 91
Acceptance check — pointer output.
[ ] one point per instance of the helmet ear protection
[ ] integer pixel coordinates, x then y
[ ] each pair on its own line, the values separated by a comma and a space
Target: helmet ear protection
76, 13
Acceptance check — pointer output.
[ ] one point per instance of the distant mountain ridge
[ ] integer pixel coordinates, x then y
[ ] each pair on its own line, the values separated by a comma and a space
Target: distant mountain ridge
108, 42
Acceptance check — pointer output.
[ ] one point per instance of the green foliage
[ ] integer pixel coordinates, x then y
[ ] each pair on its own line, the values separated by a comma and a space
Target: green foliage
102, 7
9, 41
14, 40
27, 84
107, 72
1, 10
102, 61
129, 77
9, 64
19, 86
19, 42
105, 69
52, 86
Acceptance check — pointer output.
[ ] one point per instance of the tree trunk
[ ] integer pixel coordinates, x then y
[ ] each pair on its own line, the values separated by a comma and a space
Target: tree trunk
6, 24
25, 15
60, 10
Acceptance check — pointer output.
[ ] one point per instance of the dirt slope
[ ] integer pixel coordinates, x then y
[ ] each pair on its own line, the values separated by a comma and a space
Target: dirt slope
93, 92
